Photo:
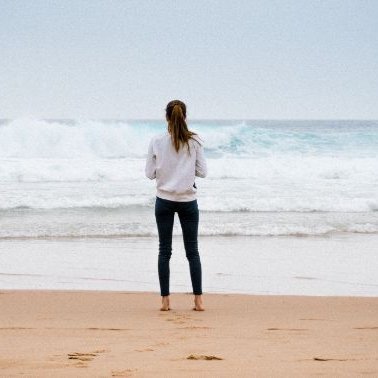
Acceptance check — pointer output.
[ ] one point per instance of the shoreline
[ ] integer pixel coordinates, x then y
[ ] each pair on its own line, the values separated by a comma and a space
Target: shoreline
313, 266
86, 333
179, 293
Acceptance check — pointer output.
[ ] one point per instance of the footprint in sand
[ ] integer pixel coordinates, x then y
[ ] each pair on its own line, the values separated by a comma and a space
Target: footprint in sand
144, 350
82, 358
107, 329
123, 373
365, 327
179, 319
150, 348
203, 357
195, 327
287, 329
175, 320
163, 343
16, 328
332, 359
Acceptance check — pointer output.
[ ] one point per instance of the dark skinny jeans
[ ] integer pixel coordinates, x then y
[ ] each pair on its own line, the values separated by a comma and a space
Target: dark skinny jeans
189, 216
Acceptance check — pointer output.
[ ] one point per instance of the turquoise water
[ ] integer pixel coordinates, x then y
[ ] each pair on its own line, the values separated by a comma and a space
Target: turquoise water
63, 177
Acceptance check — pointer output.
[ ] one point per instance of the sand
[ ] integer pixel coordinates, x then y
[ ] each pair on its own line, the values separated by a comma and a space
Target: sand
49, 333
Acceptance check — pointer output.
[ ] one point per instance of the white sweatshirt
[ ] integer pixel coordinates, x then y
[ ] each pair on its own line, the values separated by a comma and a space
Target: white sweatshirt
175, 171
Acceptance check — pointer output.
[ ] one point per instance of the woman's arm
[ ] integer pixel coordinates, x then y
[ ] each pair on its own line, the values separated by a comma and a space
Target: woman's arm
201, 166
150, 169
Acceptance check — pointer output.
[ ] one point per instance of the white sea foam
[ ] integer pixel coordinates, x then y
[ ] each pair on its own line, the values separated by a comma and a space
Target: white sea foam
25, 139
140, 221
273, 167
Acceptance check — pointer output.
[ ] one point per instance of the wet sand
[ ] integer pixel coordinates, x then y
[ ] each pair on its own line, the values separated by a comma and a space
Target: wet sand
337, 265
45, 333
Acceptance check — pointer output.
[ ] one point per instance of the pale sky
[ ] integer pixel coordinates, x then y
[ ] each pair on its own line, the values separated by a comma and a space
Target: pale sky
227, 59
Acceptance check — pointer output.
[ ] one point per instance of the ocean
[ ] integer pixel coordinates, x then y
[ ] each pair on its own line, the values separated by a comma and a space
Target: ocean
85, 178
288, 207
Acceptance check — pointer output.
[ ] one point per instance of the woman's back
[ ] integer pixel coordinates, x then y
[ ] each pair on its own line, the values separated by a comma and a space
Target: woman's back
175, 171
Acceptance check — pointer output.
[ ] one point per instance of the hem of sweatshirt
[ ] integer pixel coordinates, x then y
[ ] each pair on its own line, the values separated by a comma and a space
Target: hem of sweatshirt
176, 196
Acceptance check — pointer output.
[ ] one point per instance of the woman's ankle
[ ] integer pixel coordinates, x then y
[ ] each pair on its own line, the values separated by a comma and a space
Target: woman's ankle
165, 303
198, 304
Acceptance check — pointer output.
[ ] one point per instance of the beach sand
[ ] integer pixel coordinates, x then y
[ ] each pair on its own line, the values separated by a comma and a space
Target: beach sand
52, 333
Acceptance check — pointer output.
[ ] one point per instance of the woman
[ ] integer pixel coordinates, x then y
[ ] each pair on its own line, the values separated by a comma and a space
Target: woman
174, 159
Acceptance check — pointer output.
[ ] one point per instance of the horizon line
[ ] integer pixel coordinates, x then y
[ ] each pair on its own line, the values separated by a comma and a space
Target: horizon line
189, 120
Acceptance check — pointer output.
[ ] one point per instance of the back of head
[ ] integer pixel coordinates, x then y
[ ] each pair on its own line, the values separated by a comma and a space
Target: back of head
177, 127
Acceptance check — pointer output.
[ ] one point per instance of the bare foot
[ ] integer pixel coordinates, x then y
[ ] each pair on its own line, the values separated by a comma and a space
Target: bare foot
198, 303
165, 303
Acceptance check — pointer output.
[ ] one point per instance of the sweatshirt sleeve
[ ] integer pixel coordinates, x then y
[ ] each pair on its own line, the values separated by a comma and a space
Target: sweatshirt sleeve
201, 165
150, 169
